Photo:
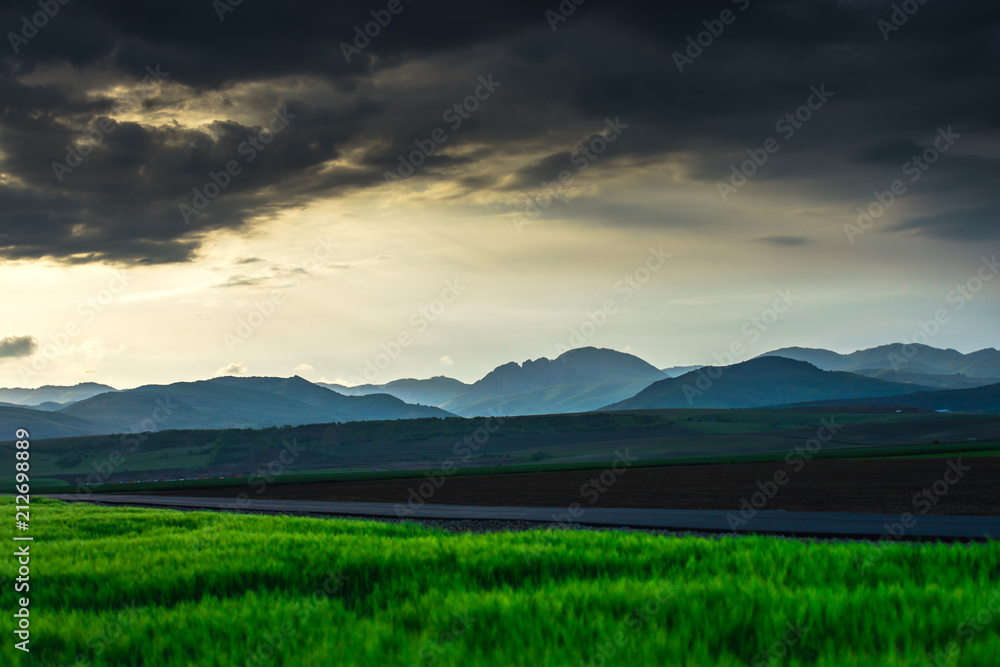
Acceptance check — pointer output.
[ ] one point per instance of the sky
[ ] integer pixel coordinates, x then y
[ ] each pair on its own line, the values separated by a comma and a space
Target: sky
360, 192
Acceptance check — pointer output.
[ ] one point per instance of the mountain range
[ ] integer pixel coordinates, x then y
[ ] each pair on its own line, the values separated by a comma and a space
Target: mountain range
432, 391
760, 382
914, 359
588, 378
580, 380
225, 402
53, 397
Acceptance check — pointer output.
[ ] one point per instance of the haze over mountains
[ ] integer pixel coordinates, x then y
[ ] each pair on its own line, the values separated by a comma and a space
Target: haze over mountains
913, 359
432, 391
580, 380
54, 396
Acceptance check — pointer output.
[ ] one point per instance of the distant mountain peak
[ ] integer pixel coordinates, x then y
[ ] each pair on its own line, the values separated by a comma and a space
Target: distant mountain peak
916, 358
759, 382
577, 380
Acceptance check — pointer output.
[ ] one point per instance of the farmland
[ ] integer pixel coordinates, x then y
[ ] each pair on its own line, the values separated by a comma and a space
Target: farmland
890, 485
123, 586
386, 449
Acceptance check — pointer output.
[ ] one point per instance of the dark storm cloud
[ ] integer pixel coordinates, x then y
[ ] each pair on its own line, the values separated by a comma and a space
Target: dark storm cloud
606, 60
892, 151
546, 169
959, 223
14, 347
122, 201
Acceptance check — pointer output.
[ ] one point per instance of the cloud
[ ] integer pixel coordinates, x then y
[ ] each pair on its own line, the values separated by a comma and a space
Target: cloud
709, 300
85, 357
242, 280
353, 120
784, 241
447, 361
303, 368
235, 368
275, 276
15, 347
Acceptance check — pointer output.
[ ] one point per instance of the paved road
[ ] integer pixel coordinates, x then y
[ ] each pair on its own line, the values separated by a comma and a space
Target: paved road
827, 524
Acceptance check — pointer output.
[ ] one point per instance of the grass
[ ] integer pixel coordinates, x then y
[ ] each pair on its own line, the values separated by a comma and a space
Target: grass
127, 586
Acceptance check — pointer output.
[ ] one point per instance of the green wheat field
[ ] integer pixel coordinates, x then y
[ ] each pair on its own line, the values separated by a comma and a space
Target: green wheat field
123, 586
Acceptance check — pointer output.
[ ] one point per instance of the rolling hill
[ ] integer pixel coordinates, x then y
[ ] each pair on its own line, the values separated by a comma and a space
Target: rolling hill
764, 381
940, 381
41, 424
985, 400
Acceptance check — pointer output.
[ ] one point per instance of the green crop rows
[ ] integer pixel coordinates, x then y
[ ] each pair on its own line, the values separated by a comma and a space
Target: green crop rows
124, 586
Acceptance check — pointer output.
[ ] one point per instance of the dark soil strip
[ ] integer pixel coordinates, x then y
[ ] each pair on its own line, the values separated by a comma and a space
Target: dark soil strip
919, 486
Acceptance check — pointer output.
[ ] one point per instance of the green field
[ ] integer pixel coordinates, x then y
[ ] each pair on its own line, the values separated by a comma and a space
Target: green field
124, 586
